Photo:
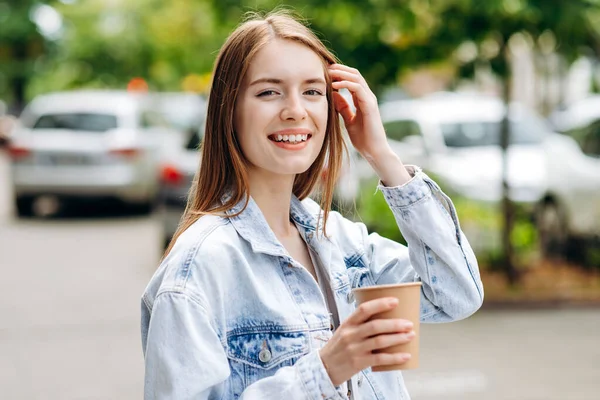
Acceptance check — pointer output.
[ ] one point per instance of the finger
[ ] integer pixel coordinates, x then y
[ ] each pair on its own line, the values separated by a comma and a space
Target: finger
342, 106
345, 68
387, 359
345, 75
369, 308
381, 326
355, 88
384, 341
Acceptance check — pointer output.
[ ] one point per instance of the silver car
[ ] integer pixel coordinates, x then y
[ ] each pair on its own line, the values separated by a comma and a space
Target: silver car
89, 144
456, 137
177, 174
569, 213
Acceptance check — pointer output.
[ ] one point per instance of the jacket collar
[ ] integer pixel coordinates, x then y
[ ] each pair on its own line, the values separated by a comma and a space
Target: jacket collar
253, 227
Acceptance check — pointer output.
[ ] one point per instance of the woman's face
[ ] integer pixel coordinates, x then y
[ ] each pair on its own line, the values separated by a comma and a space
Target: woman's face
281, 110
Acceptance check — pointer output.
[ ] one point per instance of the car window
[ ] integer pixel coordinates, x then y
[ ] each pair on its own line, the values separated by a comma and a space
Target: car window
194, 139
398, 130
181, 113
77, 121
480, 133
152, 119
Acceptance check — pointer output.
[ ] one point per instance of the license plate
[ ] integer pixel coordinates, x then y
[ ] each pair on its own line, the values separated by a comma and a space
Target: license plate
64, 159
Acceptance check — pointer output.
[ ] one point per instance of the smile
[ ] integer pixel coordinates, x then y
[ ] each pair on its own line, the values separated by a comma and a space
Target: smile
291, 139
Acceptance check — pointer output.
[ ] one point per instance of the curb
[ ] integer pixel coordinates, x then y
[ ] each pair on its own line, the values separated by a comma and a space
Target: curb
550, 304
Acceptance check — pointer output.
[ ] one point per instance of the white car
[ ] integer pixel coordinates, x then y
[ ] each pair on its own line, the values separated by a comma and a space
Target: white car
569, 214
89, 144
6, 123
577, 114
184, 111
456, 138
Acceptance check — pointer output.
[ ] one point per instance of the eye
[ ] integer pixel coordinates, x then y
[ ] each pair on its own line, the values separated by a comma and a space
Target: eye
313, 92
267, 93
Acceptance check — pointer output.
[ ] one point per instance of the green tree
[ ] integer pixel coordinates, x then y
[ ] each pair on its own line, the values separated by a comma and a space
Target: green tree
574, 24
21, 44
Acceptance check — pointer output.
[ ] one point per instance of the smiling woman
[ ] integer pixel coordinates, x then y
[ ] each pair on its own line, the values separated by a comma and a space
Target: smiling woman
253, 297
280, 106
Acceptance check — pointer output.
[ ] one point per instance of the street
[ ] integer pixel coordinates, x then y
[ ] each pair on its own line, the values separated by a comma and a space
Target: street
69, 323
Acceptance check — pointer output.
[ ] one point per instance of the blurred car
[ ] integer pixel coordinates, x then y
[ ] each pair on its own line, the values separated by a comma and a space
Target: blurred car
179, 168
183, 111
568, 216
456, 137
89, 144
5, 125
577, 114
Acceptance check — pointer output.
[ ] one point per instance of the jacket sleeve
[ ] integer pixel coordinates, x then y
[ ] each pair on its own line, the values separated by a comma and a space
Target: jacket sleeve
185, 359
438, 253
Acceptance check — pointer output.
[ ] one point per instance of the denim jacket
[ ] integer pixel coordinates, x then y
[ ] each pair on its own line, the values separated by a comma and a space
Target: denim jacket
230, 315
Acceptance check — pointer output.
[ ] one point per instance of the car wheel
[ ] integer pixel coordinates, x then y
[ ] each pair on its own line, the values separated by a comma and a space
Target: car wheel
552, 230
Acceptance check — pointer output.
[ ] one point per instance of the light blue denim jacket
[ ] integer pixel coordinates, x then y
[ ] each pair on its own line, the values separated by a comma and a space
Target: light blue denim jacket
230, 315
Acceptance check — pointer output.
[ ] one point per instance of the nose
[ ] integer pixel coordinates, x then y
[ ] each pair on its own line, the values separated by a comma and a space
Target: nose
293, 108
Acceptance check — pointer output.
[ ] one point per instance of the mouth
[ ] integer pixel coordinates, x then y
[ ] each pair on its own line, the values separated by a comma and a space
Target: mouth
290, 138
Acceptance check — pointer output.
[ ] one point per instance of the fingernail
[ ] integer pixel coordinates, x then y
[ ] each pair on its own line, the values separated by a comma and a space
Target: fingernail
407, 356
393, 302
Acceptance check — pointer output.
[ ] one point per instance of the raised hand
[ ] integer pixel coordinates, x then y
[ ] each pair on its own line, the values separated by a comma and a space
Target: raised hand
364, 127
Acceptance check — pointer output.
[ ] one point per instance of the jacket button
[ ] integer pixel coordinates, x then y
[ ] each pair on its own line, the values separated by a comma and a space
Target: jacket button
360, 379
350, 297
264, 356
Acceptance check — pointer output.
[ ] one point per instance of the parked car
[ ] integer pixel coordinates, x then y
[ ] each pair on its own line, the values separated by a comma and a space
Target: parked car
6, 124
568, 216
456, 137
177, 174
89, 144
576, 115
183, 111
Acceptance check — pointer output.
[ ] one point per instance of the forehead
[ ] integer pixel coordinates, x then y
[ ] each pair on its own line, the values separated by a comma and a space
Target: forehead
286, 60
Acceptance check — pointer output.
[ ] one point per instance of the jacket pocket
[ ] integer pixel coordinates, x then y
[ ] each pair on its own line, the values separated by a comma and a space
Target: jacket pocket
258, 355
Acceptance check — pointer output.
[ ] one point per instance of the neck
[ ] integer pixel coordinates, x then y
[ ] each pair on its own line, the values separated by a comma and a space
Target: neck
273, 195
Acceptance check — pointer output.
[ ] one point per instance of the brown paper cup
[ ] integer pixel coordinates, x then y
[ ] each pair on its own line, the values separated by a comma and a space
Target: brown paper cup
409, 307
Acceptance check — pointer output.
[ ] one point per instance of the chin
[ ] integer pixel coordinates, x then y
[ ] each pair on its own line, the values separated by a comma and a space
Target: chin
293, 168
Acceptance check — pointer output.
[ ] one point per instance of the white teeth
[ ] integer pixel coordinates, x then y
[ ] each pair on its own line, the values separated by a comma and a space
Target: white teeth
291, 138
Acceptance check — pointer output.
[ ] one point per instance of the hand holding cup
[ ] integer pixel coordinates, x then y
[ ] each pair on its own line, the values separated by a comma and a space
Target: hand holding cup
356, 344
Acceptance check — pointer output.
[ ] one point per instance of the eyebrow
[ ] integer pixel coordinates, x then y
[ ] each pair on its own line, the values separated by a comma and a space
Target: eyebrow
280, 81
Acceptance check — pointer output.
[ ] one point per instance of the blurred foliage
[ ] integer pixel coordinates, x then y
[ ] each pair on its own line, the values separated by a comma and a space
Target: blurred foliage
105, 43
373, 211
21, 46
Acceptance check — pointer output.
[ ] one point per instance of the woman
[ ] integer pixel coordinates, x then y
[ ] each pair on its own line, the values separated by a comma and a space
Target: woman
248, 299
